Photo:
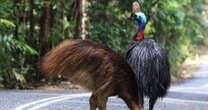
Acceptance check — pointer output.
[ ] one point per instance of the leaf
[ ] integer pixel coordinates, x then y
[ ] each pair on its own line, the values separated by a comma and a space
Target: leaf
6, 23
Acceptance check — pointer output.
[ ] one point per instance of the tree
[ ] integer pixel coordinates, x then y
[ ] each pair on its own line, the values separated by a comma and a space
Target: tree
77, 30
84, 18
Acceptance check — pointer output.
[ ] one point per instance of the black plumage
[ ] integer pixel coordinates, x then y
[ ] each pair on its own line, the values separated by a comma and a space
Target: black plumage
150, 64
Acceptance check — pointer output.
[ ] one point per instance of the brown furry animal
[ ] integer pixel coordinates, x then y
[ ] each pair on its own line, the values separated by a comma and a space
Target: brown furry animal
97, 68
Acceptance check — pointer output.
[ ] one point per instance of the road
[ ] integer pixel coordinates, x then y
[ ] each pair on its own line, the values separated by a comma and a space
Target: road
191, 94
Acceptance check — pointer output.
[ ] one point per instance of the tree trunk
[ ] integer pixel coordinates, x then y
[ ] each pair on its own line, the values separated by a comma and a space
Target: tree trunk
62, 18
30, 38
81, 20
31, 23
77, 30
45, 26
16, 19
24, 32
46, 21
84, 19
72, 10
24, 18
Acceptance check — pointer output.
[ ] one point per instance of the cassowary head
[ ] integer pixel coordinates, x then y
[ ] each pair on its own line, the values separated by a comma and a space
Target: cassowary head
137, 14
140, 18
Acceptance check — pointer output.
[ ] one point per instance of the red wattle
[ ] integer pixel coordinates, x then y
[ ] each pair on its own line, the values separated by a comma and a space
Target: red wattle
140, 35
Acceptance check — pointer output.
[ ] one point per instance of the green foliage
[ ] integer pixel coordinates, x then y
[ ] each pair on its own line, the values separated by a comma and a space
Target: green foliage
108, 24
12, 56
177, 25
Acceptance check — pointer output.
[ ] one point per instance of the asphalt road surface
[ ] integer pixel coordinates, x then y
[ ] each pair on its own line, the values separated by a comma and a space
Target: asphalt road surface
189, 95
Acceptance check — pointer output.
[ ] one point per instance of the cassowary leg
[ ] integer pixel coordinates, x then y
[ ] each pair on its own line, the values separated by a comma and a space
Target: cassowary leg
93, 104
100, 96
98, 101
152, 103
102, 101
142, 100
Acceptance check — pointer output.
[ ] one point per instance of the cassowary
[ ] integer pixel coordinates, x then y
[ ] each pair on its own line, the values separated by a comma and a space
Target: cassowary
149, 61
97, 68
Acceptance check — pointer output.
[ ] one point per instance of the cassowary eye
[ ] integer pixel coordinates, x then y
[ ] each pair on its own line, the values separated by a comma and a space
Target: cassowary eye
138, 17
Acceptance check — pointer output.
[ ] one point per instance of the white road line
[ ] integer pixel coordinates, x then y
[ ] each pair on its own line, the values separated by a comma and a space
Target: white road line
22, 107
46, 94
36, 102
58, 100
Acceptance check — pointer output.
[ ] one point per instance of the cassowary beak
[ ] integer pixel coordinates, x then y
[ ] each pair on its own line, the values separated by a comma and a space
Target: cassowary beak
132, 17
129, 17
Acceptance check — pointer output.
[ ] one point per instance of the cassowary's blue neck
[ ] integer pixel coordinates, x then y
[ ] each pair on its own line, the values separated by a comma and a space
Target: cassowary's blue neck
140, 31
141, 18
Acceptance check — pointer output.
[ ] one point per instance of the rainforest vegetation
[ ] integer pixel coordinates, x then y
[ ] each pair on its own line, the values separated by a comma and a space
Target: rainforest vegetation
30, 28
